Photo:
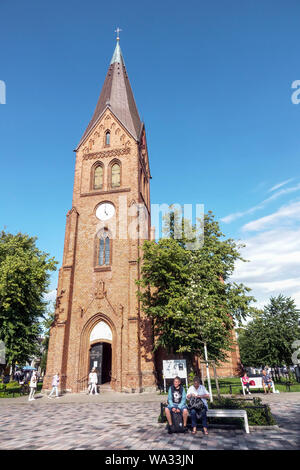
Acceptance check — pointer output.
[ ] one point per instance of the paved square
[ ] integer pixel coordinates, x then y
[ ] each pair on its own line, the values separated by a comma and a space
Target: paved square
118, 421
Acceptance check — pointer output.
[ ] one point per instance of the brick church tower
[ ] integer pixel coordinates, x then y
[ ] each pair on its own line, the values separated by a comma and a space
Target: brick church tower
98, 321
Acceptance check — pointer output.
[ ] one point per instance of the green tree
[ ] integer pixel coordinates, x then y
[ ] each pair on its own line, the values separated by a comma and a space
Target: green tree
188, 293
24, 278
268, 338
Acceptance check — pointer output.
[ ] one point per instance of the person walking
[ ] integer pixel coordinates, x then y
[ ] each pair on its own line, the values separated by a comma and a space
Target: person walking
55, 383
93, 381
32, 386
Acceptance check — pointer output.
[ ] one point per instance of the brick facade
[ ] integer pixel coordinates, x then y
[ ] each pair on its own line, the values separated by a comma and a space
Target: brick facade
89, 293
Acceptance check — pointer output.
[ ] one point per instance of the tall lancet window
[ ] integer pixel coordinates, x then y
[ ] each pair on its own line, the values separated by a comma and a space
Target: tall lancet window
98, 177
115, 175
104, 254
107, 138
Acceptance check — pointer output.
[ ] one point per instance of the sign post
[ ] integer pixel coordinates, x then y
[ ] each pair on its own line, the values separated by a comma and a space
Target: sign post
173, 368
207, 372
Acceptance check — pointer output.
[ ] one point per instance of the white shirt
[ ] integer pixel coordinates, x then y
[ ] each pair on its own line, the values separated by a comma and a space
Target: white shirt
33, 381
93, 378
55, 380
201, 390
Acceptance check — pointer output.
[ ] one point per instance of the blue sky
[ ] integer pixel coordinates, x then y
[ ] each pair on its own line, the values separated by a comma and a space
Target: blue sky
212, 81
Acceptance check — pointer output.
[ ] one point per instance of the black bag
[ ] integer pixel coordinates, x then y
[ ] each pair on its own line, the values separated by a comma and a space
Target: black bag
197, 404
177, 422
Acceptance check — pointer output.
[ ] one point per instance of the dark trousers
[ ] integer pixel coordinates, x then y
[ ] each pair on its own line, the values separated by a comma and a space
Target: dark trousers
193, 414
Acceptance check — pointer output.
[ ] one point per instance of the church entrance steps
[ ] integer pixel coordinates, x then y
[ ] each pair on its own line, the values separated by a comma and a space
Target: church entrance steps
104, 388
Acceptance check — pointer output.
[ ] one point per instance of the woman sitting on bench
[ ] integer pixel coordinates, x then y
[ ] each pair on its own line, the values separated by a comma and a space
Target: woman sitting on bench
246, 383
198, 391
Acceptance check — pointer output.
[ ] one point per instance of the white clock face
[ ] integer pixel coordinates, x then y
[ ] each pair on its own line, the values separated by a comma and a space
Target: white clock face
105, 211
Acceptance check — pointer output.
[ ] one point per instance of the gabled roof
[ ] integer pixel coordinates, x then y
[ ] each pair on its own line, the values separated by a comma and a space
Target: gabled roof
117, 95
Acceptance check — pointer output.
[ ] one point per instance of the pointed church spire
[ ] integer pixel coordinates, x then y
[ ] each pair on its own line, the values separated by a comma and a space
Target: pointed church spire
117, 55
117, 95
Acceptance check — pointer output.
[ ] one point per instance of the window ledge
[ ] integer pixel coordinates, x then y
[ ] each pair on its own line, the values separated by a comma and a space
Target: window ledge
102, 268
95, 192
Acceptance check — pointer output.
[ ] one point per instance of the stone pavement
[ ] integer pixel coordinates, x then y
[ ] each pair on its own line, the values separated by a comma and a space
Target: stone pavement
114, 421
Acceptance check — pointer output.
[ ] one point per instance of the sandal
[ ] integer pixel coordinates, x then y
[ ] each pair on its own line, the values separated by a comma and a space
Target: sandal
205, 432
194, 431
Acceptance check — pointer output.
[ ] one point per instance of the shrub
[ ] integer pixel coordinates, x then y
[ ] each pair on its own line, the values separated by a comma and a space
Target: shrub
13, 385
256, 416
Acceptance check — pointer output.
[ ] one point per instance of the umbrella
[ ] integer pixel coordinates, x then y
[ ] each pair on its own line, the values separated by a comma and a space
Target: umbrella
29, 368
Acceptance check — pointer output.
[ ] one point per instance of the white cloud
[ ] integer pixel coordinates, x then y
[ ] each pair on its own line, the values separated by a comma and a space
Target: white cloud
287, 214
50, 296
237, 215
279, 185
274, 255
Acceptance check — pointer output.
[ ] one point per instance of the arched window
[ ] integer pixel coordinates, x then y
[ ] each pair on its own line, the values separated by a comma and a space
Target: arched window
107, 138
104, 251
98, 177
115, 175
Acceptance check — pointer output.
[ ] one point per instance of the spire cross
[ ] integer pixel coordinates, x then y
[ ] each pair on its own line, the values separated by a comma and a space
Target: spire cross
118, 30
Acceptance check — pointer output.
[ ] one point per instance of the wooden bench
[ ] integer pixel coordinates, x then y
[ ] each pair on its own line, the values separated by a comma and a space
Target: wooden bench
258, 384
216, 413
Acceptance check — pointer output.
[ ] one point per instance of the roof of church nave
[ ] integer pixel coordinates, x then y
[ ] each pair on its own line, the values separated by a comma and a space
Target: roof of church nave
116, 94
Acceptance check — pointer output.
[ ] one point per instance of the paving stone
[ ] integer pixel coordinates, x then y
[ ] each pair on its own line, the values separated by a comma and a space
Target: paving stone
103, 425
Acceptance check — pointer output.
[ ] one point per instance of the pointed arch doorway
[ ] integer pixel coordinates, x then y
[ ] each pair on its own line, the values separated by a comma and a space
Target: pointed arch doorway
101, 351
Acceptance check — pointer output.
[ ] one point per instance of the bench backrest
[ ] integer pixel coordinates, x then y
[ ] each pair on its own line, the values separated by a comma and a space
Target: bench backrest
257, 380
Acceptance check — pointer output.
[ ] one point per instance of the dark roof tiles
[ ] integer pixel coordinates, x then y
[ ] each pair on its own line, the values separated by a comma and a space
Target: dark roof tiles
117, 94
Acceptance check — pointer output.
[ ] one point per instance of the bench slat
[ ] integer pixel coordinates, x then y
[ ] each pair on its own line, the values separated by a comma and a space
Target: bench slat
225, 413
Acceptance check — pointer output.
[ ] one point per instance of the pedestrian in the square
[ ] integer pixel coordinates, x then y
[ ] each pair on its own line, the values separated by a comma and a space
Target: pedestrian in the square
32, 386
93, 381
55, 383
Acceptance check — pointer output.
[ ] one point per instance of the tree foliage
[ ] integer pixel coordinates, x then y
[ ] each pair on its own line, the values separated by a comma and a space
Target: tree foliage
188, 293
268, 338
24, 278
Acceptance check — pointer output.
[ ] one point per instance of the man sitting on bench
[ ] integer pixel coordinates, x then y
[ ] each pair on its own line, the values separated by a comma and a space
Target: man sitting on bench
266, 381
198, 391
176, 403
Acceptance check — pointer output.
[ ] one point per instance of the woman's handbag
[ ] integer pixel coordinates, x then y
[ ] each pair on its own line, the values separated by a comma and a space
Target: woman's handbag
197, 404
